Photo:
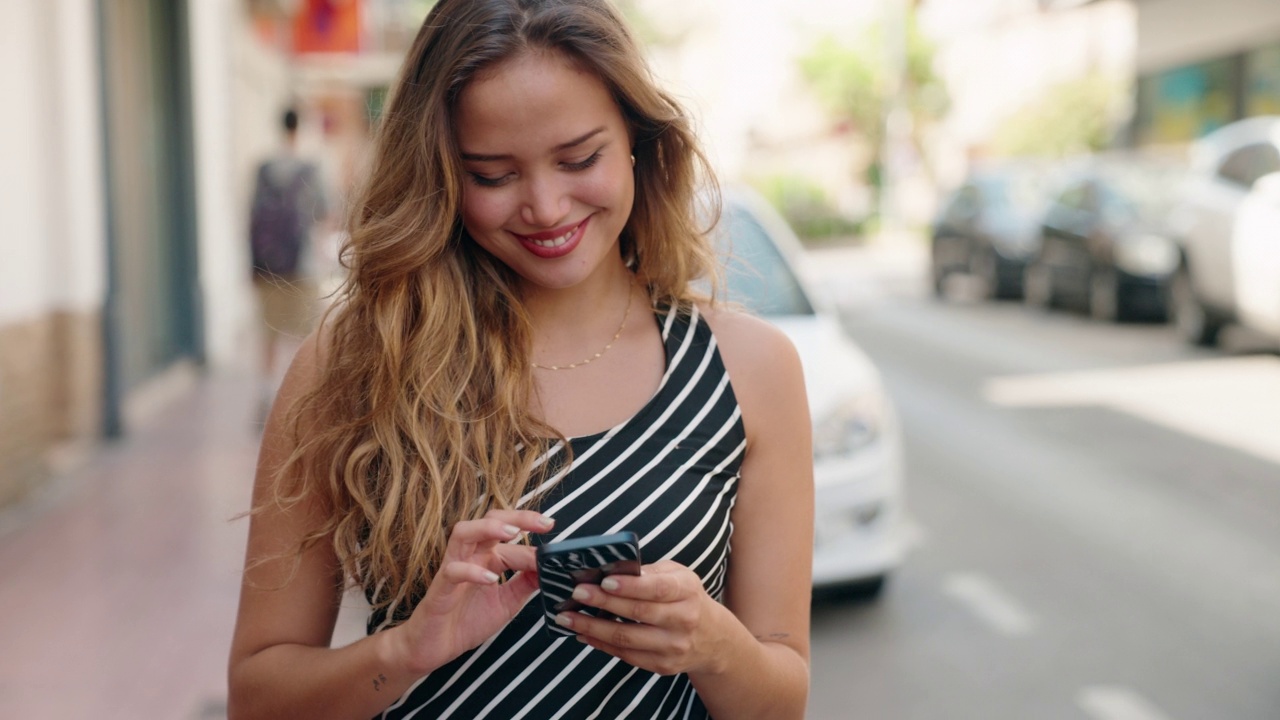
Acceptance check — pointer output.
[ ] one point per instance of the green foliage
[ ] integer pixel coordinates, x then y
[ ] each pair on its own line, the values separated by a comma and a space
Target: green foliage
854, 79
849, 80
806, 207
1071, 118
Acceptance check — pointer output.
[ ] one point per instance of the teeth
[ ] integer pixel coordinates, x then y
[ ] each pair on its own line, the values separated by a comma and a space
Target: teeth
557, 242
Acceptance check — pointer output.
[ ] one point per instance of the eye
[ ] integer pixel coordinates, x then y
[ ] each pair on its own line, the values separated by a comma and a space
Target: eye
484, 181
583, 164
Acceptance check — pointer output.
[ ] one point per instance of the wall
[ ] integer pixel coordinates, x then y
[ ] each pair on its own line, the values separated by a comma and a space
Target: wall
52, 277
1177, 32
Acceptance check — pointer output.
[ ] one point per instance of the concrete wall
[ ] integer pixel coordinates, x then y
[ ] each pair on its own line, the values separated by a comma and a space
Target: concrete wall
53, 276
1178, 32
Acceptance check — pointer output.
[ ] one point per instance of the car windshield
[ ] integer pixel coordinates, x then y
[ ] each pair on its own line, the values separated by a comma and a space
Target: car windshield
756, 275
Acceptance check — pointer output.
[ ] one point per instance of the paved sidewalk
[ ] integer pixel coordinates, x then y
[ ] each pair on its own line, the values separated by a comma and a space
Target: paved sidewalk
119, 597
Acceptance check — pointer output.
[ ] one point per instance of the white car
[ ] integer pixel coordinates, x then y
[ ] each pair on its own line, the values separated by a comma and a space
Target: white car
1228, 223
857, 438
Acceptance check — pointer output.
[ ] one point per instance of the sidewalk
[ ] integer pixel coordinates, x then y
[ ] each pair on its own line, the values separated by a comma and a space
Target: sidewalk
858, 276
119, 598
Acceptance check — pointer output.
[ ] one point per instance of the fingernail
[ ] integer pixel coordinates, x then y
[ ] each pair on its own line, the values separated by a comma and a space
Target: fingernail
511, 530
491, 576
609, 584
580, 594
546, 522
564, 620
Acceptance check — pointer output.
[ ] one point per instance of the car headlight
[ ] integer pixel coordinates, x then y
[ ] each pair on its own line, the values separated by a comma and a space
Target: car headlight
848, 428
1147, 255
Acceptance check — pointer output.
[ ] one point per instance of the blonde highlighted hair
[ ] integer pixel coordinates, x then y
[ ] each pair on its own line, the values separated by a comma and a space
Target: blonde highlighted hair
419, 418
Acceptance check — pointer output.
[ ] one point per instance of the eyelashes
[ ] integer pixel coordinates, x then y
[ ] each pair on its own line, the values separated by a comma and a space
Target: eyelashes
583, 165
489, 182
483, 181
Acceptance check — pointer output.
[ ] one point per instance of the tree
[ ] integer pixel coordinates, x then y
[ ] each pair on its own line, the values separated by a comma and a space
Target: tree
853, 79
1073, 117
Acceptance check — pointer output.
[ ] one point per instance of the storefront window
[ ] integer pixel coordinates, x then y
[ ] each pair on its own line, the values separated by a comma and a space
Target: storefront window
1185, 103
1262, 81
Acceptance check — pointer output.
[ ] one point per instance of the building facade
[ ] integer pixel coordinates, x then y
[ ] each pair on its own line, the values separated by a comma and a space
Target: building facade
1202, 65
122, 212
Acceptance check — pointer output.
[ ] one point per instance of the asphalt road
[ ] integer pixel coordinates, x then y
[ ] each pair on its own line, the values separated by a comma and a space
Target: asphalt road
1097, 519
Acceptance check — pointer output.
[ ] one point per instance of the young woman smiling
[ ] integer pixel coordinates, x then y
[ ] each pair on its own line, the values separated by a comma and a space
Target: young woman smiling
519, 356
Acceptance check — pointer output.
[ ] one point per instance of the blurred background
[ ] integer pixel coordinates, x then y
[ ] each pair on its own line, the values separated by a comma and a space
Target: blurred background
1049, 230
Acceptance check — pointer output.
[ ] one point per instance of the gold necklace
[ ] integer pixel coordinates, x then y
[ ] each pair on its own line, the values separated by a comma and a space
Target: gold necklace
603, 350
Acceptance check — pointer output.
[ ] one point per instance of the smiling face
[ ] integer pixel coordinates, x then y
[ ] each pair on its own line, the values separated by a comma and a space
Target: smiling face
549, 182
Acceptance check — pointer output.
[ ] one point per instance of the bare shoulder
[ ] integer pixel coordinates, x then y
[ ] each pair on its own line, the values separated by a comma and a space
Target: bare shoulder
761, 361
747, 343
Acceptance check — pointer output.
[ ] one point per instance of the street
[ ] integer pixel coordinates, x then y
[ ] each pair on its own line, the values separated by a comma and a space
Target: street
1095, 521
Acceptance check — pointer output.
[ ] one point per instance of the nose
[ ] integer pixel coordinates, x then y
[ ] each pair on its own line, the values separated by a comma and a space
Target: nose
545, 202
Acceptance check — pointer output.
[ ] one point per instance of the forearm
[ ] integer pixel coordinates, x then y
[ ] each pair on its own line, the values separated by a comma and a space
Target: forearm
756, 678
298, 681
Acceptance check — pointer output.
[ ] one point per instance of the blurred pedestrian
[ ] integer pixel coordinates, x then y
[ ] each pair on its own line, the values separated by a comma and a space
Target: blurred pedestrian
288, 203
518, 355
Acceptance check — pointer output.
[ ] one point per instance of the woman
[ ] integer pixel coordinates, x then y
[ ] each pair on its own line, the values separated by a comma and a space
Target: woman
518, 357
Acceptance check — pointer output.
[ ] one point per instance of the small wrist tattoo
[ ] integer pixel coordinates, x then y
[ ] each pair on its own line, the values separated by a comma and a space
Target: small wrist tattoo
379, 681
774, 636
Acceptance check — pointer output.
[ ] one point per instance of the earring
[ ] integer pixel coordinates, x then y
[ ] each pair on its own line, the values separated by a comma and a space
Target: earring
633, 161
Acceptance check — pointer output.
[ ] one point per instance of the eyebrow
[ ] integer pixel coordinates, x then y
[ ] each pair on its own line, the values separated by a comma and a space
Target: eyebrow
473, 157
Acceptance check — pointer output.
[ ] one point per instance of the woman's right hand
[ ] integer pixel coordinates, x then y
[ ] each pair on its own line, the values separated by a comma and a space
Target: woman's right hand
465, 604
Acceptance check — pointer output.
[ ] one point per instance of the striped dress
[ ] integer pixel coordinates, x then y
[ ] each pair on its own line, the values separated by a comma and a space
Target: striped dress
669, 474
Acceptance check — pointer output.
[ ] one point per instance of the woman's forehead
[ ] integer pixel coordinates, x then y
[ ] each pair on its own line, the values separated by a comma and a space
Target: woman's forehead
534, 101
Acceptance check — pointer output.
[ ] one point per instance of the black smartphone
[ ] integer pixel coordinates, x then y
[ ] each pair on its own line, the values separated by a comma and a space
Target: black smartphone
563, 565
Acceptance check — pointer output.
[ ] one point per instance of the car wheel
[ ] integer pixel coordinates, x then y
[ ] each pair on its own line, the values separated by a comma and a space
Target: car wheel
983, 266
1192, 319
1104, 295
1037, 287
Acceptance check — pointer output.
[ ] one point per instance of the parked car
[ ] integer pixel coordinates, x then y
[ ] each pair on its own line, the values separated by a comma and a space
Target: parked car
1228, 223
1105, 247
988, 228
857, 440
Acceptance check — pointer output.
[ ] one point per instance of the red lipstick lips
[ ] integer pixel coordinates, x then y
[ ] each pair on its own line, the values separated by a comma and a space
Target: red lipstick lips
554, 243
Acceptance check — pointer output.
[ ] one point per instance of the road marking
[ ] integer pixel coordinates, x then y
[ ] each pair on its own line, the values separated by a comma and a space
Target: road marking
990, 604
1112, 702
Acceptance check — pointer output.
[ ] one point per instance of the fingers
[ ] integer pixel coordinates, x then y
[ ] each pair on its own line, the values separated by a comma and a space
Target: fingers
520, 558
527, 520
495, 527
617, 636
458, 573
661, 582
657, 598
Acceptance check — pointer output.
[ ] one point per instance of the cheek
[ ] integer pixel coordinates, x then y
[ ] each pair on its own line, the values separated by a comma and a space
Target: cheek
482, 211
614, 190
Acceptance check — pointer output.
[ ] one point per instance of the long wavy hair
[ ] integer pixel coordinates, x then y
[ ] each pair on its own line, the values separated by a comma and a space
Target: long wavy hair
420, 417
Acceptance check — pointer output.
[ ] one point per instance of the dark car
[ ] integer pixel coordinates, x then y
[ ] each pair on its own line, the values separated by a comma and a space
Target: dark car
989, 227
1104, 245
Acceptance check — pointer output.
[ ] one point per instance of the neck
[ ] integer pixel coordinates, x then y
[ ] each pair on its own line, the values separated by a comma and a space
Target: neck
569, 320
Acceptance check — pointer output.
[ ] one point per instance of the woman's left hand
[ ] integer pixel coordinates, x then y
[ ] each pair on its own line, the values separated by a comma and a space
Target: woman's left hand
679, 628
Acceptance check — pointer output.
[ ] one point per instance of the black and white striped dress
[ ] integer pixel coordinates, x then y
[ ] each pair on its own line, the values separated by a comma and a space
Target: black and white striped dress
669, 474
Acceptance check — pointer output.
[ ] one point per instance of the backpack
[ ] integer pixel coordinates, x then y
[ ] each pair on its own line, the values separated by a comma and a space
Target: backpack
280, 220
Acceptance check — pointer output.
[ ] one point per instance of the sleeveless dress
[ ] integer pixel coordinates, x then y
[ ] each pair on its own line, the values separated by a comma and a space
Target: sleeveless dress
670, 474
